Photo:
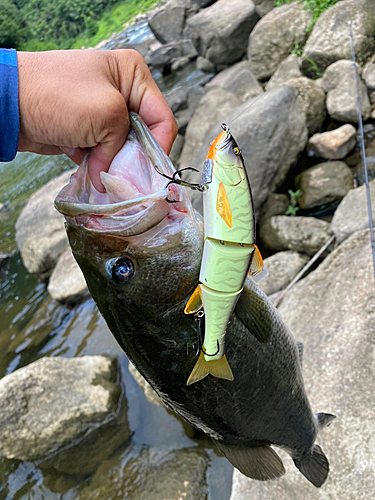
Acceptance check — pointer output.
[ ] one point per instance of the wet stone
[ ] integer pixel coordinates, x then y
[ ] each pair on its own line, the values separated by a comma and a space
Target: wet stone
324, 184
74, 407
282, 267
300, 234
152, 475
334, 144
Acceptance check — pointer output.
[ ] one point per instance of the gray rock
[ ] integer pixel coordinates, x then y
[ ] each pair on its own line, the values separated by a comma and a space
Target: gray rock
329, 40
275, 204
287, 69
40, 232
334, 144
262, 7
324, 184
180, 63
212, 108
156, 475
351, 215
275, 36
162, 57
205, 65
150, 394
203, 3
370, 162
336, 72
67, 283
220, 36
177, 146
331, 312
342, 101
60, 412
301, 234
369, 76
168, 21
270, 134
239, 80
312, 101
282, 267
177, 98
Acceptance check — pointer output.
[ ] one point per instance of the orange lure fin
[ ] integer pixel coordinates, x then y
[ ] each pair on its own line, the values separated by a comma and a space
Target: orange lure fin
257, 270
195, 302
223, 206
218, 368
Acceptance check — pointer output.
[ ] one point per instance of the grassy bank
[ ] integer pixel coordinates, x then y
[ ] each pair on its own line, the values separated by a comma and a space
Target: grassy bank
317, 7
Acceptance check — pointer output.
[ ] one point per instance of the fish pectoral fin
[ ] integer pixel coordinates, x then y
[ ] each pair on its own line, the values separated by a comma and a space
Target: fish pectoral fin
195, 302
314, 466
259, 462
257, 271
324, 419
223, 206
218, 368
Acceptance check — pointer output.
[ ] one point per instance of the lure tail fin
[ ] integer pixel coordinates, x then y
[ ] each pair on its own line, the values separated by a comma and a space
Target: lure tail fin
314, 466
218, 368
260, 462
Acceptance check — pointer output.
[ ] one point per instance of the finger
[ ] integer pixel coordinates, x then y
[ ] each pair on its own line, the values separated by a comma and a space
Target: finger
144, 97
75, 154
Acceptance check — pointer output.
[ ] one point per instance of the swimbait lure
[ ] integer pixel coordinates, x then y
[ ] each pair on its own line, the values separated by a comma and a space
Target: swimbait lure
229, 251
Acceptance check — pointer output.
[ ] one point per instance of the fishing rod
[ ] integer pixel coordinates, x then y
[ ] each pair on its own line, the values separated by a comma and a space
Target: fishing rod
363, 150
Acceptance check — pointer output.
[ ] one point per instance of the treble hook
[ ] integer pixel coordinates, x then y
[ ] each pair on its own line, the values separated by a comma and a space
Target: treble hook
180, 182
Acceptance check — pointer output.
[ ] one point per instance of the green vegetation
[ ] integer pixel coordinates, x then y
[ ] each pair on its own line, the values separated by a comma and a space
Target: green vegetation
317, 7
292, 208
60, 24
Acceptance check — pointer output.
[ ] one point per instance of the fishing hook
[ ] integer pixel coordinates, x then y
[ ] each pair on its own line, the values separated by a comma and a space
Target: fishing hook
180, 182
216, 353
198, 319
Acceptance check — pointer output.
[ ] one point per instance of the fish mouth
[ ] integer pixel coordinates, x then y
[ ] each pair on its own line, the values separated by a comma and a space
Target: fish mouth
136, 196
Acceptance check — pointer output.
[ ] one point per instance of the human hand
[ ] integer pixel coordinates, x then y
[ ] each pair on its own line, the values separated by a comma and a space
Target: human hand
74, 100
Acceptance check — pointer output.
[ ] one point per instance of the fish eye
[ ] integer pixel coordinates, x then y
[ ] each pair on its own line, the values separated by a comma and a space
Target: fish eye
122, 270
236, 151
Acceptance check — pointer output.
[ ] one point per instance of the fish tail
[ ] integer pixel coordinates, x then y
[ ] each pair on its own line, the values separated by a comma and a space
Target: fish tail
314, 466
219, 368
259, 462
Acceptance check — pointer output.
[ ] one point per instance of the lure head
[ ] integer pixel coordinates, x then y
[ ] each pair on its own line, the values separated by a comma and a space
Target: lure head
225, 153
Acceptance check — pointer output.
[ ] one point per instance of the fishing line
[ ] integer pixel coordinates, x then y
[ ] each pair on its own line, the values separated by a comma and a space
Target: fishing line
247, 107
363, 150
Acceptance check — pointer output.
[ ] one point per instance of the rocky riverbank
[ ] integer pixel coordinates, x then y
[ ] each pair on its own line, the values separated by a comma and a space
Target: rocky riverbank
299, 139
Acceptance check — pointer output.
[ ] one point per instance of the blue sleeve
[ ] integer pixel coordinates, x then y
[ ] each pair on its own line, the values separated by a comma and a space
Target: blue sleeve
9, 111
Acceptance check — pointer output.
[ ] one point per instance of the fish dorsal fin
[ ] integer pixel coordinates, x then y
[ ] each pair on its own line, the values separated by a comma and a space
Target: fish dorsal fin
195, 302
300, 357
259, 462
324, 419
223, 206
218, 368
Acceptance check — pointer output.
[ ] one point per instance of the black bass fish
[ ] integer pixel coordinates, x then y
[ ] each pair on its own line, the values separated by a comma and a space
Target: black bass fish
141, 258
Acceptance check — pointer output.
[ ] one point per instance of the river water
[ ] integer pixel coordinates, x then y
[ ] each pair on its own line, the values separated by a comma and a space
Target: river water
32, 325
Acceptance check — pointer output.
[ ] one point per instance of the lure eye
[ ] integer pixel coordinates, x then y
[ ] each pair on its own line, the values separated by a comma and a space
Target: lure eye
122, 270
236, 151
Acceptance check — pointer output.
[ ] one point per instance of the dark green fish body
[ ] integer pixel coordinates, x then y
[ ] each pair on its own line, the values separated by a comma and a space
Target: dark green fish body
141, 283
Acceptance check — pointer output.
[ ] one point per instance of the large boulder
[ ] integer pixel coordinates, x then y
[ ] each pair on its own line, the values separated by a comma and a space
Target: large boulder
212, 108
67, 283
275, 36
263, 6
324, 184
237, 79
168, 21
287, 69
300, 234
271, 133
331, 312
336, 72
220, 33
330, 41
40, 232
333, 144
352, 213
342, 100
61, 412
